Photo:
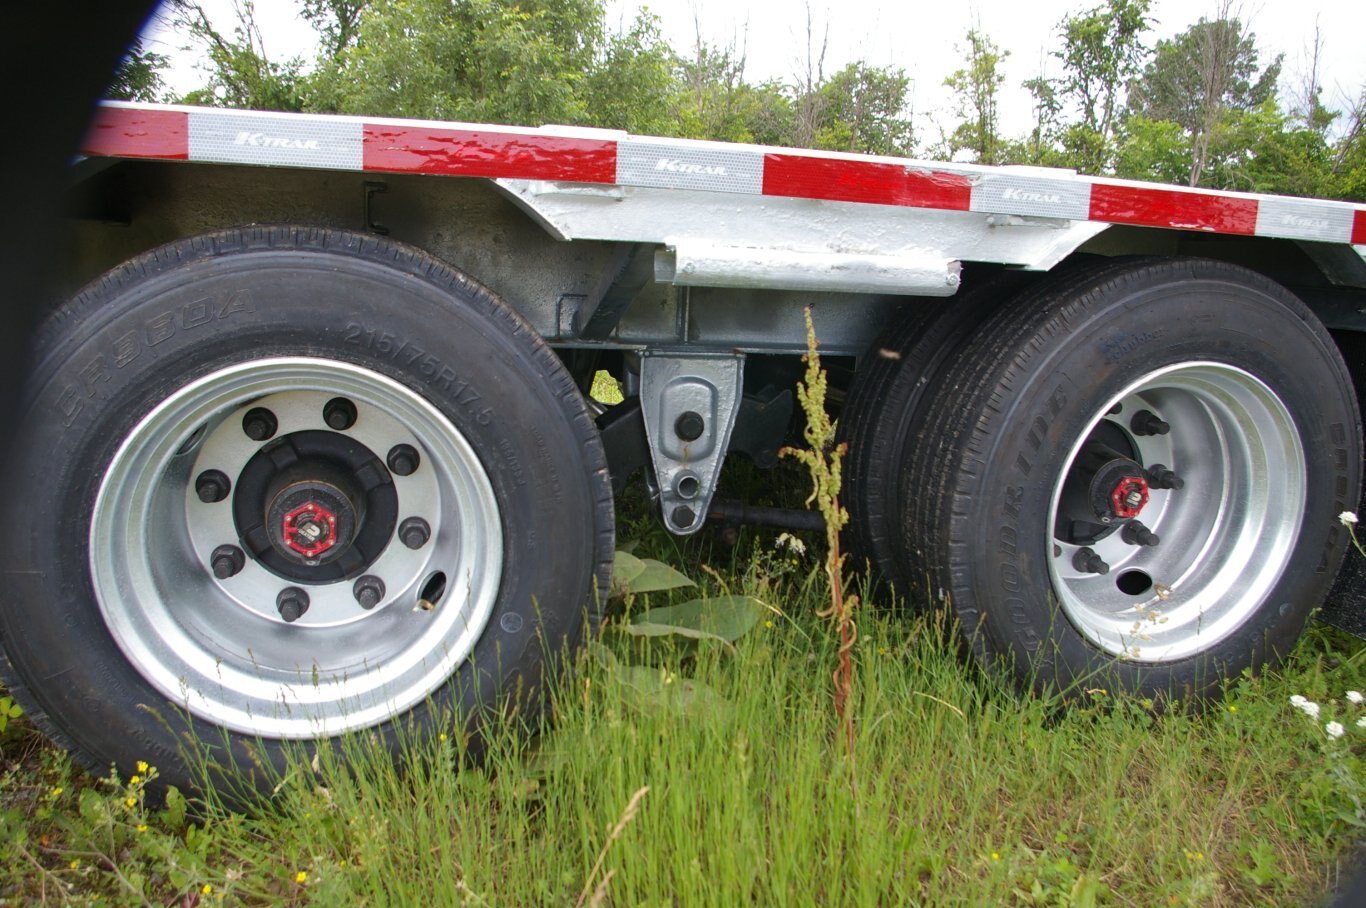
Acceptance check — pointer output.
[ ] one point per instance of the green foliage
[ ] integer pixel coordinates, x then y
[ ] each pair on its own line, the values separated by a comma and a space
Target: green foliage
976, 88
240, 72
1206, 79
863, 109
722, 618
138, 77
475, 60
1102, 49
8, 710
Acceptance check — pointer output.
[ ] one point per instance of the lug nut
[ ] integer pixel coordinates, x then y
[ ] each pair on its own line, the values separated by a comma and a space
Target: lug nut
1135, 533
689, 426
414, 532
339, 414
212, 486
1146, 422
1088, 562
226, 561
403, 460
259, 424
684, 516
369, 591
1159, 477
291, 603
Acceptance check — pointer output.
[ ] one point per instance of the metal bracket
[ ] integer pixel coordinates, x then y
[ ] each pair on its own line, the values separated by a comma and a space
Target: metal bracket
689, 401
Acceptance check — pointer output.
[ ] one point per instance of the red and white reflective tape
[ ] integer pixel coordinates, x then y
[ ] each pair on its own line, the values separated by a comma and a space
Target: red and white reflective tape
605, 157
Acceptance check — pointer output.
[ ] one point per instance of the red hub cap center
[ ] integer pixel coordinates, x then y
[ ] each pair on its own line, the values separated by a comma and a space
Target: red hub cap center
1129, 497
310, 529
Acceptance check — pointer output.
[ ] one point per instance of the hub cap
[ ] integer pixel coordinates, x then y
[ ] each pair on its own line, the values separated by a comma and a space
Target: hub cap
312, 508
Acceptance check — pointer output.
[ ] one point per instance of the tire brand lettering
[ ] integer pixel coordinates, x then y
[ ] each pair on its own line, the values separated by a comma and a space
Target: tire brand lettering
1038, 430
1014, 498
264, 140
128, 346
1116, 348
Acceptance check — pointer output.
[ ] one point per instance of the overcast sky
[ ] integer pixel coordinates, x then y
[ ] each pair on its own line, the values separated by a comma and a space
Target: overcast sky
918, 36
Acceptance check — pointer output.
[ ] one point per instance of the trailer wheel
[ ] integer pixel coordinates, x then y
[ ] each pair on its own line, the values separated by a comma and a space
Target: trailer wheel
280, 484
885, 413
1133, 477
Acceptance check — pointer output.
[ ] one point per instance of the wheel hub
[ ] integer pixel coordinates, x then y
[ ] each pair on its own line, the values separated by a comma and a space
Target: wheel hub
309, 530
315, 507
1104, 488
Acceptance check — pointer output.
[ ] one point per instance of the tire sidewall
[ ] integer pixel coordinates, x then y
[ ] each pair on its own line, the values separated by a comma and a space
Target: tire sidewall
1084, 356
188, 311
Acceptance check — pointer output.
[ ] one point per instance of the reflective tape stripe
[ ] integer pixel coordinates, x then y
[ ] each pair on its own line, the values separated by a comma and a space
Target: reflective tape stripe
278, 140
1304, 220
488, 152
122, 132
666, 164
1032, 196
874, 182
1175, 208
1359, 226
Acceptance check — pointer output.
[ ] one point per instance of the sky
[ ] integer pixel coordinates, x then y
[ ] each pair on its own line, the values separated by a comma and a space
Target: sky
918, 36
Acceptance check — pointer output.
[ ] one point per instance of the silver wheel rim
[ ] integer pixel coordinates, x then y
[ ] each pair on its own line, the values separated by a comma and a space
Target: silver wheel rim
1225, 536
219, 647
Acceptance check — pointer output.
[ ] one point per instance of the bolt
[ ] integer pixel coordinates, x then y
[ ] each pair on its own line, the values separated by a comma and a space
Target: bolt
1116, 409
683, 517
414, 532
369, 591
403, 460
226, 561
339, 413
1136, 533
212, 486
1133, 499
1159, 477
291, 603
1088, 562
689, 426
259, 424
1146, 422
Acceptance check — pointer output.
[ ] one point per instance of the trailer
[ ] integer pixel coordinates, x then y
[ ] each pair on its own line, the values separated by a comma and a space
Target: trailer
307, 447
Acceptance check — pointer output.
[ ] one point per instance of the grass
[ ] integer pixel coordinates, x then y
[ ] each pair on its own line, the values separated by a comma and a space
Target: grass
714, 775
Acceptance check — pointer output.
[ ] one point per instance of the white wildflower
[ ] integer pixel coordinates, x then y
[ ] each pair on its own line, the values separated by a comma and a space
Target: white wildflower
790, 542
1354, 696
1347, 518
1308, 707
1334, 729
1361, 723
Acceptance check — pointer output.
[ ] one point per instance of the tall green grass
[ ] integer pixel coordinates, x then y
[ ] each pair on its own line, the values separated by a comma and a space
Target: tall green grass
961, 791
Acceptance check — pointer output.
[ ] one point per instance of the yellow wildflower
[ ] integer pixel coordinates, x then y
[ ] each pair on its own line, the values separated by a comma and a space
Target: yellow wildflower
206, 889
301, 877
142, 766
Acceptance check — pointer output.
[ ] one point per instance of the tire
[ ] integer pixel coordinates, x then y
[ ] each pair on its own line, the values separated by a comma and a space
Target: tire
885, 408
361, 413
1011, 478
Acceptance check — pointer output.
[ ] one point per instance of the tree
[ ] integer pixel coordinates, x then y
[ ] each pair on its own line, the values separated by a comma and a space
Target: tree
138, 77
505, 61
1198, 79
631, 84
240, 72
335, 21
863, 109
1102, 49
976, 87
